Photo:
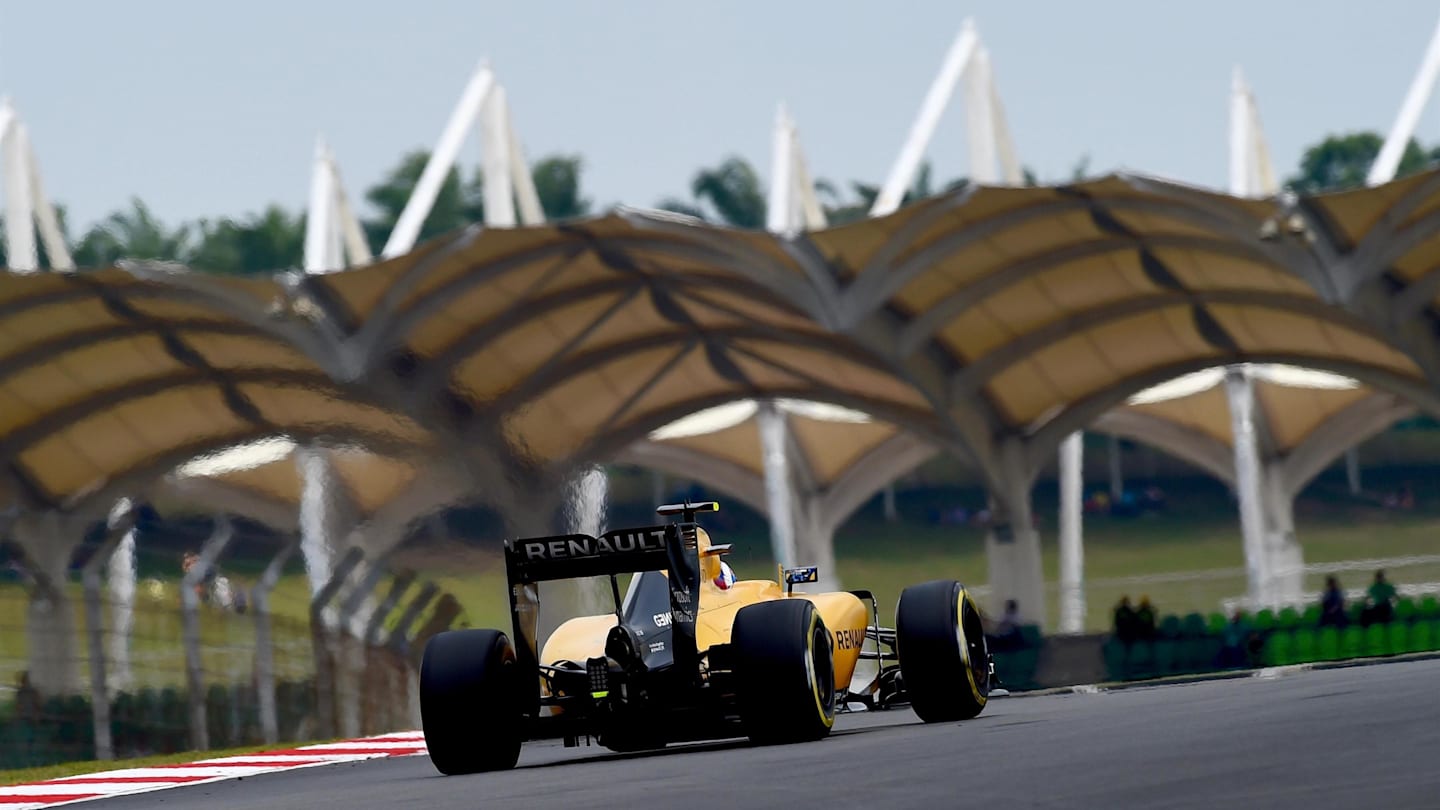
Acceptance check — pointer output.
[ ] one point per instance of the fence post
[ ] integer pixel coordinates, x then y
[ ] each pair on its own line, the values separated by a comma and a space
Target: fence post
350, 689
319, 634
402, 583
120, 525
390, 669
214, 546
264, 646
399, 639
397, 643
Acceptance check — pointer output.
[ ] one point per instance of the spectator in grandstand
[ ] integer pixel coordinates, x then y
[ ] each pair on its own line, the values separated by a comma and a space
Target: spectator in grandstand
1332, 603
1125, 620
1145, 618
1380, 606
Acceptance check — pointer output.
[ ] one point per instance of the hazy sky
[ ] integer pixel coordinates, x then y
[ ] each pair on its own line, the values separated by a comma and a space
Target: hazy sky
212, 108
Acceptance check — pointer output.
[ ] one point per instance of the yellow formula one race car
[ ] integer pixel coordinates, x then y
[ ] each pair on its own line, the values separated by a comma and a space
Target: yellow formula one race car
689, 653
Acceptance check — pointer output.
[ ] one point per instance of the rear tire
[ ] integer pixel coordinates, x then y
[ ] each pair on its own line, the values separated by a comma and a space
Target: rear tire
784, 672
944, 663
470, 702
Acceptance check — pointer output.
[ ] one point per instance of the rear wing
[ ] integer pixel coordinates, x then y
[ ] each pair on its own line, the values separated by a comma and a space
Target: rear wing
672, 548
573, 556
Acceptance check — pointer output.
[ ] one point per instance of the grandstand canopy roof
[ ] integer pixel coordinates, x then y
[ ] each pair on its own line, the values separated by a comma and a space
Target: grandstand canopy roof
1047, 306
980, 314
826, 439
108, 379
1299, 414
269, 469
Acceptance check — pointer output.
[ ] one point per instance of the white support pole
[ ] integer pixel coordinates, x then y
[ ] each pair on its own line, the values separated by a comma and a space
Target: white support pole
979, 120
527, 198
442, 160
20, 252
1352, 470
1072, 549
1010, 170
1252, 173
1240, 153
777, 482
1393, 150
1240, 393
356, 247
495, 157
812, 214
1263, 180
319, 214
47, 221
120, 579
908, 162
780, 207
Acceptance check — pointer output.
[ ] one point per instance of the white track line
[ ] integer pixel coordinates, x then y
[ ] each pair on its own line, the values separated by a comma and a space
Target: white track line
127, 781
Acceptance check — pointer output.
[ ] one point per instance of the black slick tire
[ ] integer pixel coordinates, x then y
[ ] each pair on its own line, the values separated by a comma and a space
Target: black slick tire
784, 672
470, 702
944, 664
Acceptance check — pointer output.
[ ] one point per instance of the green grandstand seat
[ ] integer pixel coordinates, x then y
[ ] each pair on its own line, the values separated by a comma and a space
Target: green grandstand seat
1329, 643
1217, 623
1307, 645
1377, 641
1352, 642
1430, 607
1264, 620
1422, 637
1114, 660
1278, 650
1397, 638
1140, 663
1356, 610
1288, 618
1405, 609
1167, 656
1311, 618
1170, 627
1194, 625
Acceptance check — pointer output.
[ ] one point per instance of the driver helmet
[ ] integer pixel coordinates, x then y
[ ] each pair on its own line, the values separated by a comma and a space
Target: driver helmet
725, 578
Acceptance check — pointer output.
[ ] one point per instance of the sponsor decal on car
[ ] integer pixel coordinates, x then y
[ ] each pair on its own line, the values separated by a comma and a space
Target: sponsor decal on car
564, 548
849, 639
662, 619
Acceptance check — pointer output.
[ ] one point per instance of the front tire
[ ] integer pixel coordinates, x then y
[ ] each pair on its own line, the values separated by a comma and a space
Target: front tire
944, 663
784, 672
470, 702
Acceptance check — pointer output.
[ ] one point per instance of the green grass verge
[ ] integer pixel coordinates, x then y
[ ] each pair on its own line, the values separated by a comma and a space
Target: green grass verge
21, 776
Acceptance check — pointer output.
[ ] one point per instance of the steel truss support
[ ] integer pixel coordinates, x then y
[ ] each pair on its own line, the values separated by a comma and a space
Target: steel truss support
508, 181
1252, 173
334, 239
118, 527
1388, 161
27, 208
1012, 544
990, 138
210, 552
1072, 548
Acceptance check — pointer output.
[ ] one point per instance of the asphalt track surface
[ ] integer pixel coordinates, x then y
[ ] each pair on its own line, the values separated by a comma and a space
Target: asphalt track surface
1355, 737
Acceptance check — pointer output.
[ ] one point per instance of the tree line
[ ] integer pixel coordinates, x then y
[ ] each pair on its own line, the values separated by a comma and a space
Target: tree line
730, 193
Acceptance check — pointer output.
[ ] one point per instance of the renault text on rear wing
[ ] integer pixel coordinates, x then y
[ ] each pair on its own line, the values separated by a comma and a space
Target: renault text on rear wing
571, 556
